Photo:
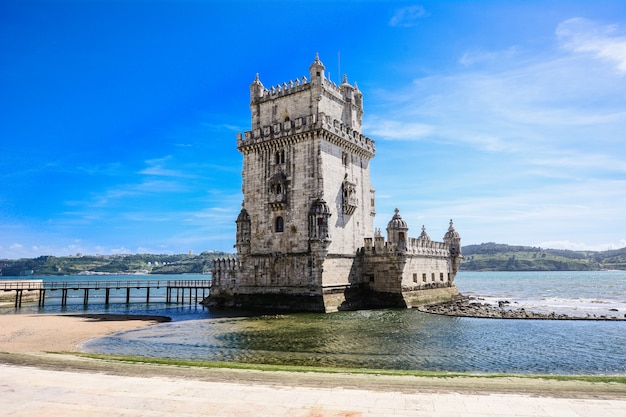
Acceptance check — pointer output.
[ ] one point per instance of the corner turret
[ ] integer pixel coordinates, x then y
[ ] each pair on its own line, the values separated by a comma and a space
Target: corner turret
317, 71
453, 239
243, 232
256, 89
397, 231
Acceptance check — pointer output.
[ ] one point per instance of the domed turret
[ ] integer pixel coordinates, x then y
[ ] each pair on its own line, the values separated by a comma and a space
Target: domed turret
397, 222
317, 70
318, 220
397, 230
345, 84
424, 236
453, 239
319, 207
256, 88
243, 216
243, 232
451, 234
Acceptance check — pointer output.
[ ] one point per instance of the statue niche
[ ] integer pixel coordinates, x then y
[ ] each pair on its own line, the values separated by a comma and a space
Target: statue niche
278, 190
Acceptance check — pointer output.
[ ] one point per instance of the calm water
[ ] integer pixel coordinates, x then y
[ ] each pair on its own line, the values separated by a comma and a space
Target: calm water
404, 339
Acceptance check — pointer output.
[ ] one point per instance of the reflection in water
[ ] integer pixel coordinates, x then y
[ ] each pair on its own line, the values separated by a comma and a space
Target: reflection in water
387, 339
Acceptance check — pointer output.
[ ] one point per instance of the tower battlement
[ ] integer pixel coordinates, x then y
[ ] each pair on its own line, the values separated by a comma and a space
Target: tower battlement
279, 132
302, 98
414, 246
294, 86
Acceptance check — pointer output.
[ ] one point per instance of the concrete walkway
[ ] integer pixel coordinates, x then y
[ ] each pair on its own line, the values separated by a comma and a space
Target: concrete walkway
27, 391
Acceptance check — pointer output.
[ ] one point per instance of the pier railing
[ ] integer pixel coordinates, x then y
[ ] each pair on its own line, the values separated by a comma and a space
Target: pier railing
175, 290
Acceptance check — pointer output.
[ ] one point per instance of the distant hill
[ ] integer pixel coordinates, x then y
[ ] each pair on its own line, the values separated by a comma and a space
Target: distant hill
111, 264
499, 257
484, 257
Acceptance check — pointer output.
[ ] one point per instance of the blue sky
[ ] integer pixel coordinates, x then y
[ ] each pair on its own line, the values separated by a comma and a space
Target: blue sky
118, 119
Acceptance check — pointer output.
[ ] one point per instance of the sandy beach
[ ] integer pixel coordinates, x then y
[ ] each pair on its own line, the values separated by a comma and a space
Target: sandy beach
37, 382
28, 333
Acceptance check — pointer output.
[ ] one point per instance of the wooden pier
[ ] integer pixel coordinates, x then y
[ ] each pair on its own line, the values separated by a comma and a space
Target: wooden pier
176, 291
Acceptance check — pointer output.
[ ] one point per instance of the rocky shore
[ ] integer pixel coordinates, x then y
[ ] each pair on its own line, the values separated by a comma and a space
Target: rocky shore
473, 307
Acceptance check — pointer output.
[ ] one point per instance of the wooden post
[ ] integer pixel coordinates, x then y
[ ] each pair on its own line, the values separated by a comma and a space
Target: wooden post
86, 297
106, 296
147, 295
42, 297
127, 295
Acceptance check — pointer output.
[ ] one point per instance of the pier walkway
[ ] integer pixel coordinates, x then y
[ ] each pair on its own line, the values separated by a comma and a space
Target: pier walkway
170, 291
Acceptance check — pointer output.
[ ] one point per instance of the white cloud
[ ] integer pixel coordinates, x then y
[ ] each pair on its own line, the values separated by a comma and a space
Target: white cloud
531, 111
586, 36
407, 16
396, 130
156, 168
477, 56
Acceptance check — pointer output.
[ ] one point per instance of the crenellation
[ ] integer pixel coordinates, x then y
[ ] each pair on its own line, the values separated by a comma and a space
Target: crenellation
294, 86
358, 142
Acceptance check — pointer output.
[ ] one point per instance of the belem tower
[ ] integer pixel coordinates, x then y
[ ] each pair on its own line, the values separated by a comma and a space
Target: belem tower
305, 235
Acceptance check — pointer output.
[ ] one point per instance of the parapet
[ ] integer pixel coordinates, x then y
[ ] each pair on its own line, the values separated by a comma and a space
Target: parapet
414, 246
293, 86
261, 94
224, 264
306, 124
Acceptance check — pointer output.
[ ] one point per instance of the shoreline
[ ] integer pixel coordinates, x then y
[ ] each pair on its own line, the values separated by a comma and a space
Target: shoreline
27, 361
471, 307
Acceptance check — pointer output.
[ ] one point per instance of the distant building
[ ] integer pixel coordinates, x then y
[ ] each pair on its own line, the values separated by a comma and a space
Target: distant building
305, 238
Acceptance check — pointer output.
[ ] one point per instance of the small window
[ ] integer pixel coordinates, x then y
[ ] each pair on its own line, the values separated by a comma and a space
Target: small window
344, 159
424, 277
432, 277
280, 157
441, 276
414, 277
279, 224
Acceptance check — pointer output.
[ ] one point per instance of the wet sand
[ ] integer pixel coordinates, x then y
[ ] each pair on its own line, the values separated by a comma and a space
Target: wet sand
29, 333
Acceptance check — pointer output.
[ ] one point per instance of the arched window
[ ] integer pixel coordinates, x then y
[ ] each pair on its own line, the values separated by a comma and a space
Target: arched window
279, 224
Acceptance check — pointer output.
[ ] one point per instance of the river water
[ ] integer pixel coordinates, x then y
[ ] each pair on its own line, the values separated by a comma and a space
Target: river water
398, 338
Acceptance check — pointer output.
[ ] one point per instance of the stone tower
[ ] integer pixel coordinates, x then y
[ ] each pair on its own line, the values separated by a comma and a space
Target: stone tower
308, 203
308, 200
